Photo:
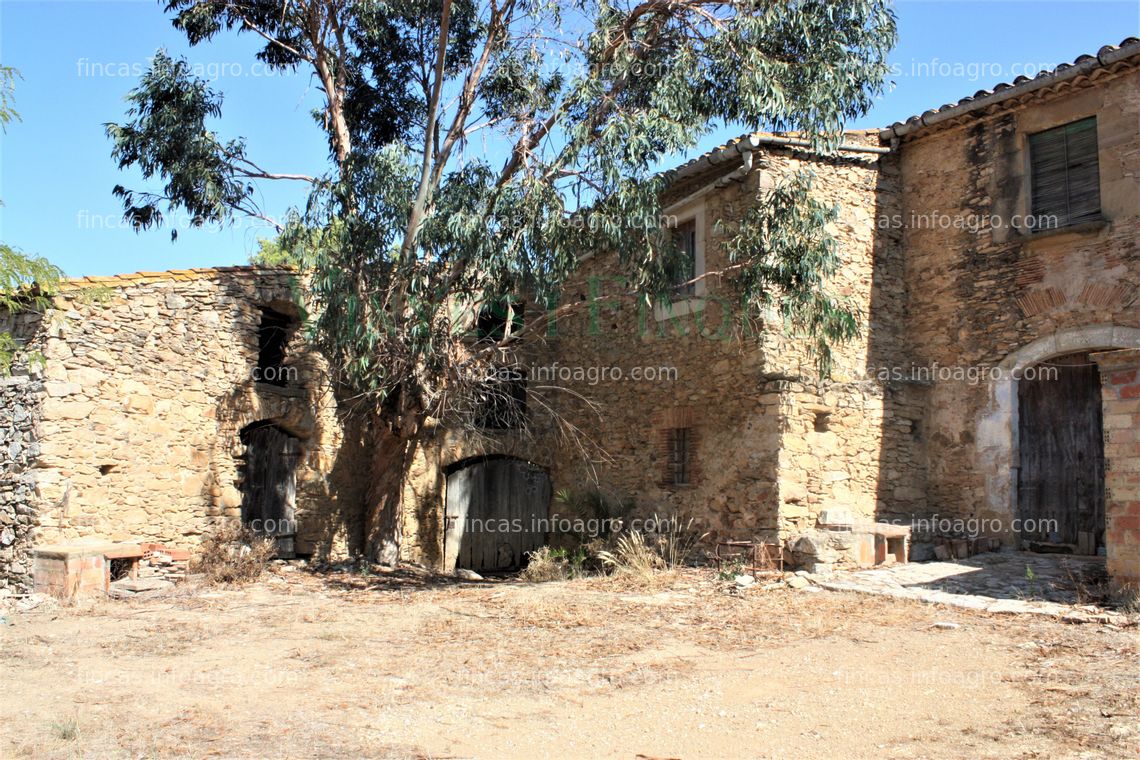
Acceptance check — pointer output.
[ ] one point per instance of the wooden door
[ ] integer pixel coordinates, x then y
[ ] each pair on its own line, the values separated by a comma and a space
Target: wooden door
269, 485
496, 511
1061, 479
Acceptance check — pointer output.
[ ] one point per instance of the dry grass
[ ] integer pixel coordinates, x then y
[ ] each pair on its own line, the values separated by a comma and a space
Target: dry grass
633, 556
1128, 599
545, 565
232, 553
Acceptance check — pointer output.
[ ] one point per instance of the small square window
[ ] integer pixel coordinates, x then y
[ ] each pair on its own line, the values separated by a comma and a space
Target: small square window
1065, 175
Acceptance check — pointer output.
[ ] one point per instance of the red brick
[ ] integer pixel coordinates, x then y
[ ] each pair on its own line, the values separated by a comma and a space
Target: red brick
1120, 378
1121, 437
1130, 391
1122, 450
1126, 522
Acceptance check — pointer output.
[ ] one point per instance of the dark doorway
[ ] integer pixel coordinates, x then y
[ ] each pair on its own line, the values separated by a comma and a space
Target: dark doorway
497, 510
1060, 487
269, 483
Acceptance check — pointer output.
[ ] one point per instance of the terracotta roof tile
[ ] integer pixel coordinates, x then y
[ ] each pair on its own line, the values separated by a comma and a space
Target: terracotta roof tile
1128, 48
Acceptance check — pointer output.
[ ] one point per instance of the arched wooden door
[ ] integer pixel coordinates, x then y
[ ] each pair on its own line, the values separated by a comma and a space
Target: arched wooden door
496, 512
1060, 484
269, 483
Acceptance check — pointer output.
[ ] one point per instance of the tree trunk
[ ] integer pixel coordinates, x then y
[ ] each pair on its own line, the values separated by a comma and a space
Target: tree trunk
391, 461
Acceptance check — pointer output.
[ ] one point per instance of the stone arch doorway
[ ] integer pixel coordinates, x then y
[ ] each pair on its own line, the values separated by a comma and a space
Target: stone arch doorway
268, 483
998, 429
1060, 476
496, 509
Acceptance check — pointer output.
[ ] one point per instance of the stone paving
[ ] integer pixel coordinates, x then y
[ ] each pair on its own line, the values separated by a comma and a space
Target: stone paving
1004, 582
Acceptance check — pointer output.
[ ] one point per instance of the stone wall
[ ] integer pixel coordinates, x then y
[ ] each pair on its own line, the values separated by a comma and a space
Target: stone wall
1120, 374
20, 394
986, 296
148, 382
750, 392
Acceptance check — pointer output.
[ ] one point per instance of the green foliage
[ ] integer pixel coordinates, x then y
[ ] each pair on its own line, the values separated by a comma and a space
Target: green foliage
271, 253
731, 568
167, 137
413, 229
8, 77
599, 515
785, 255
26, 282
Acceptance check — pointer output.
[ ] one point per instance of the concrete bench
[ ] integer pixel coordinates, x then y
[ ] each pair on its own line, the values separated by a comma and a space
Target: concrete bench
891, 540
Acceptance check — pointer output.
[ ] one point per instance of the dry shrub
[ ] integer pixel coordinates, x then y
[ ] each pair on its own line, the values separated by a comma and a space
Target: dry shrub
632, 556
642, 554
1127, 599
545, 564
675, 540
233, 553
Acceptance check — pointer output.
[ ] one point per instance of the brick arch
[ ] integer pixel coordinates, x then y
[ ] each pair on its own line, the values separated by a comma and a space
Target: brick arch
997, 426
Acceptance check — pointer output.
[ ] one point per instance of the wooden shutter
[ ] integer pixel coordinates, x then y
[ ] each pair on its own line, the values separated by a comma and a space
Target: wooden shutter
677, 448
1065, 175
1084, 173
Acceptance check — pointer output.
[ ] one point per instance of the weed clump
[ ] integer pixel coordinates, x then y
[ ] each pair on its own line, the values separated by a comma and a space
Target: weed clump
233, 553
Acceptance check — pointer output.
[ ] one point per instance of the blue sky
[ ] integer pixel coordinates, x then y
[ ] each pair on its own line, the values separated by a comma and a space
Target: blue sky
80, 57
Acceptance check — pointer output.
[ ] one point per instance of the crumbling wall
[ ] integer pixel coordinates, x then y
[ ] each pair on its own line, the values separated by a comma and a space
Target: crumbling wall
20, 395
149, 380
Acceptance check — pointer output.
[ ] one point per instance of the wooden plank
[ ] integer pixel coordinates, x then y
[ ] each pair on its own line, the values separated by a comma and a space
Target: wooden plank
457, 500
1061, 476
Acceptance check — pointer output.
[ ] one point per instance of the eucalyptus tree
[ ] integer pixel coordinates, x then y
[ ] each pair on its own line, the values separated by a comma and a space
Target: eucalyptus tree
26, 282
469, 139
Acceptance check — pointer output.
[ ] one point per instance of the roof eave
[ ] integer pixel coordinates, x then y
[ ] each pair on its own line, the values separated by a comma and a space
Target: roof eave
1081, 67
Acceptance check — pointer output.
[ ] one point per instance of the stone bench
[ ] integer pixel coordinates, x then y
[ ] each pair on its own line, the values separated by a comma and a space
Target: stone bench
75, 571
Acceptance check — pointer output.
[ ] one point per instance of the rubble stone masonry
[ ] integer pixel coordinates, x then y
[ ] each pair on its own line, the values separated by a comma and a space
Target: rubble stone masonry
19, 411
130, 429
147, 383
984, 294
773, 444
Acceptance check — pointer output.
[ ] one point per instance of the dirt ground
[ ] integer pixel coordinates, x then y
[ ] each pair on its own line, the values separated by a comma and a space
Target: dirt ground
398, 666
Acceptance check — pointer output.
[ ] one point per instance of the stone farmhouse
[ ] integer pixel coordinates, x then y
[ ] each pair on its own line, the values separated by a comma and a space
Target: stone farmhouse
989, 249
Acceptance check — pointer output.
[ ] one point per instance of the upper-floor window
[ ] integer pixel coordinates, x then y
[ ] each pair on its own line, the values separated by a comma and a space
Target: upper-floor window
273, 334
685, 268
1065, 176
499, 319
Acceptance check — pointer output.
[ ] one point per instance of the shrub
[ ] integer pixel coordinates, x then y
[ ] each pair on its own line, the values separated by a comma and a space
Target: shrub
545, 564
599, 515
675, 544
633, 556
232, 553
